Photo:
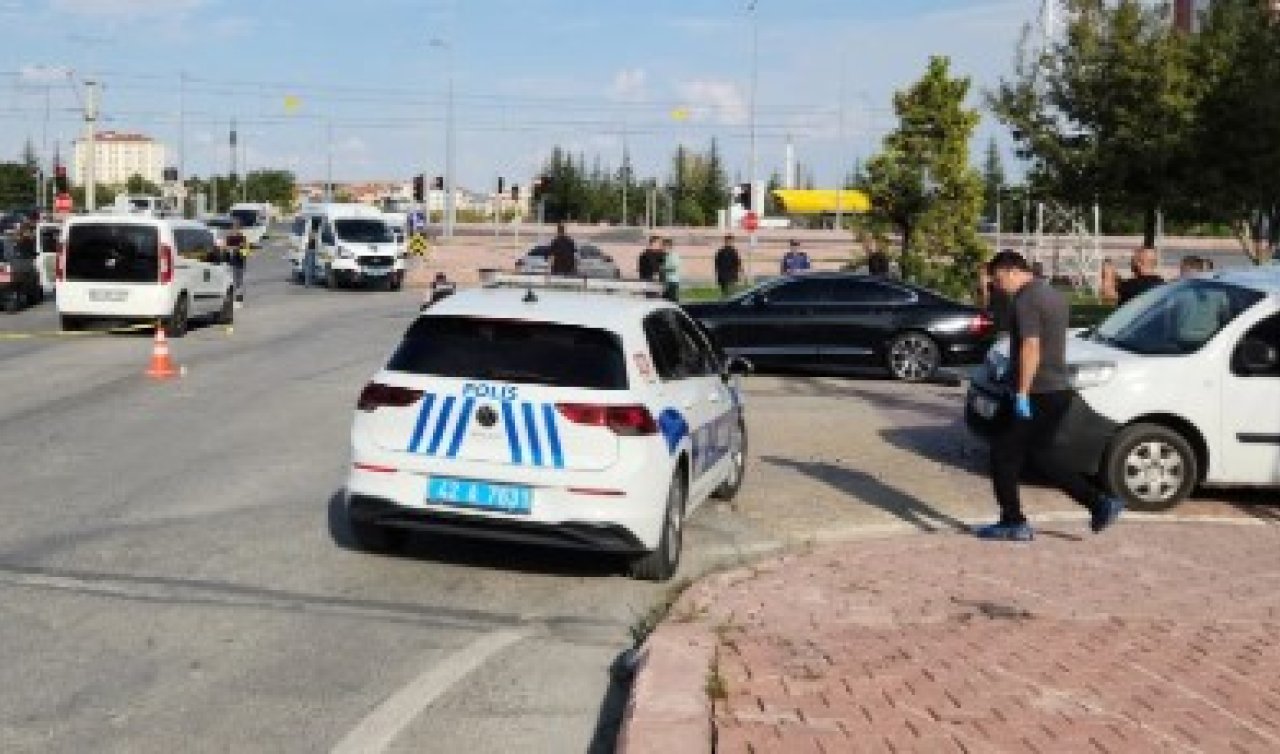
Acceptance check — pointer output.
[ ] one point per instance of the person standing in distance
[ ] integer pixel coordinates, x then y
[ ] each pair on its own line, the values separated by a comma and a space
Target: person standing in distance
650, 262
728, 267
236, 244
564, 253
1145, 265
670, 271
795, 261
1038, 376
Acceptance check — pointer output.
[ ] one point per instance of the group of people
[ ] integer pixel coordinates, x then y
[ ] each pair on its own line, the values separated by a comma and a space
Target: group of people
660, 263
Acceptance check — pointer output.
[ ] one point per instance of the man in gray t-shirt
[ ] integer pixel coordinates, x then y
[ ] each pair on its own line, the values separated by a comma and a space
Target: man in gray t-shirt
1040, 384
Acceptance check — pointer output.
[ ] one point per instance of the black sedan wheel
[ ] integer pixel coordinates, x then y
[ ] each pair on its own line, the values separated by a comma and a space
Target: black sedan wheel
913, 357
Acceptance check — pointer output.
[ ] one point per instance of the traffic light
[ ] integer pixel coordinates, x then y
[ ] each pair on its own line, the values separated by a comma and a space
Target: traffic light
515, 192
438, 183
60, 179
501, 184
419, 187
742, 196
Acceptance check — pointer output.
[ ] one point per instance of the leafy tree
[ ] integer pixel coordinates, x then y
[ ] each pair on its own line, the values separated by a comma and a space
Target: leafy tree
275, 186
1236, 60
1106, 114
141, 186
923, 184
17, 185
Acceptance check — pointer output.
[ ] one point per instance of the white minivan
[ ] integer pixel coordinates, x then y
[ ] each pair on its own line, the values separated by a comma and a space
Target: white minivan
352, 245
1179, 388
138, 269
254, 219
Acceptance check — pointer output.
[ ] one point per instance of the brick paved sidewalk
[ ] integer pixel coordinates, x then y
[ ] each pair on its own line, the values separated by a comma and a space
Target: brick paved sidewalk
1151, 637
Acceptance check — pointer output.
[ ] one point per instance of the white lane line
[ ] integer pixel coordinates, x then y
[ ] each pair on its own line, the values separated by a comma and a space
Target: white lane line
381, 726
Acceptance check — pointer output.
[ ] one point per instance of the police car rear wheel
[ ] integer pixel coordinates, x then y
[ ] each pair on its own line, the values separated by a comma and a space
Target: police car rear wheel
1152, 467
728, 490
661, 564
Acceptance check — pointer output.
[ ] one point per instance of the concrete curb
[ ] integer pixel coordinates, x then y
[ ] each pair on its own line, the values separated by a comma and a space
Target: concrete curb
669, 711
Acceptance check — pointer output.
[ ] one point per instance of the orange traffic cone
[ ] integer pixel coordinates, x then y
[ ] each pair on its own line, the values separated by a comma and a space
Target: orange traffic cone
161, 366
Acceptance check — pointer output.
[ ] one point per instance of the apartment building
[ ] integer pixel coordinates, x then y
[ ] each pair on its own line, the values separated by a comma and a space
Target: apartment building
119, 156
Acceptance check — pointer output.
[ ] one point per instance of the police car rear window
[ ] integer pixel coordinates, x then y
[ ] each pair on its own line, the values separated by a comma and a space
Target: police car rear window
534, 353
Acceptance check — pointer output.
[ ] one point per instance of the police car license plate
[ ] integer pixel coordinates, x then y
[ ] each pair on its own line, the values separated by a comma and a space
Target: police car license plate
108, 295
984, 406
465, 493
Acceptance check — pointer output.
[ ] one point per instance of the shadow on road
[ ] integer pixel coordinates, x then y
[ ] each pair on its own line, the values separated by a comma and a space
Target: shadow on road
948, 444
480, 553
867, 489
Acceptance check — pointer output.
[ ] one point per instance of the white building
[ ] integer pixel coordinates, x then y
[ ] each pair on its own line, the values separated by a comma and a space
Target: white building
118, 157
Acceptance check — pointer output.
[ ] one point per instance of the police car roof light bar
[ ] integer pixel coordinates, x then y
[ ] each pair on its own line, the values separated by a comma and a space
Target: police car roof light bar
498, 279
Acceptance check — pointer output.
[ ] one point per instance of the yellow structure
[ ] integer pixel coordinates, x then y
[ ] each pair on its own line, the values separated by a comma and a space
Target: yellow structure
822, 201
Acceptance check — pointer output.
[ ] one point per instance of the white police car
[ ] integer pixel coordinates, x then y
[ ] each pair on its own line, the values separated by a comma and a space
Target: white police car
585, 418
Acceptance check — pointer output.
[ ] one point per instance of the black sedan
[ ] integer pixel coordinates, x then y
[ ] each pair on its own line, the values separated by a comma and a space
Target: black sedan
836, 321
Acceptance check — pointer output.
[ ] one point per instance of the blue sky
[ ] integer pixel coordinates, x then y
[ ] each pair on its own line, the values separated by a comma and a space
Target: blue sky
528, 74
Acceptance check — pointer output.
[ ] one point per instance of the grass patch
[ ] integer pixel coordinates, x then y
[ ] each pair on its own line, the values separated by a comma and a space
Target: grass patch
716, 687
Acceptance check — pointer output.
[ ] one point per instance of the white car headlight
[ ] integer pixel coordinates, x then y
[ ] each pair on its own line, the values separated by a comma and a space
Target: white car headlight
1091, 374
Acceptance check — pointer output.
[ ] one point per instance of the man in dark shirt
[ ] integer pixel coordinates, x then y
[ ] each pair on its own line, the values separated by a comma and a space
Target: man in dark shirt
649, 265
728, 267
1145, 265
564, 253
237, 246
1041, 383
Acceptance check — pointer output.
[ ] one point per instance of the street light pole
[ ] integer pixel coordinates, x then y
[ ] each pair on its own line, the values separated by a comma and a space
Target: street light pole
91, 145
450, 137
751, 160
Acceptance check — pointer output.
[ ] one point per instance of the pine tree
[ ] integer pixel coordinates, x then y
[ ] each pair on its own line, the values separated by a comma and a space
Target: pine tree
992, 181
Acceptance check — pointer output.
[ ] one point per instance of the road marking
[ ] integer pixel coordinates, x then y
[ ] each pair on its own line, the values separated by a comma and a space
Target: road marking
380, 727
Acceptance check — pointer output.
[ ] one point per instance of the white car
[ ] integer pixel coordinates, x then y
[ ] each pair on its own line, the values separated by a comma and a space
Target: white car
591, 262
351, 244
589, 419
140, 269
1178, 388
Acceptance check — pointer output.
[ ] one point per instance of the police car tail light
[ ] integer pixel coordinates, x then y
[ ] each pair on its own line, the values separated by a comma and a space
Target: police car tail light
377, 395
629, 421
981, 324
166, 263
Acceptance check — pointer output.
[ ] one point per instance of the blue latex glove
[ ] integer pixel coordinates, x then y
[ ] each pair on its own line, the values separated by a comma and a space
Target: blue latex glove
1022, 406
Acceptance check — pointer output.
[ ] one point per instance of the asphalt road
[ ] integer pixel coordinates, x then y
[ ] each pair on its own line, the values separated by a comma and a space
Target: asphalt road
170, 581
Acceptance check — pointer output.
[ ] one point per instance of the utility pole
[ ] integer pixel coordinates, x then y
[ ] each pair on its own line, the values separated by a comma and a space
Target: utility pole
328, 180
182, 140
91, 145
751, 160
450, 167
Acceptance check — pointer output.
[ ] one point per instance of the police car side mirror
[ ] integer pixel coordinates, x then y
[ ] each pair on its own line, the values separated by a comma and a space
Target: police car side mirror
1256, 356
738, 366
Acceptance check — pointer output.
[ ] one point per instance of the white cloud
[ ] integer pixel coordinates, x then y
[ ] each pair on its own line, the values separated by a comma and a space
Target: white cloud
628, 85
43, 74
711, 99
126, 7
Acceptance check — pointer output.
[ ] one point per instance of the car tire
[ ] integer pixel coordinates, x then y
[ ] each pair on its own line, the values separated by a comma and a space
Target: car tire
70, 323
372, 537
1151, 467
661, 564
728, 489
227, 314
178, 322
397, 281
913, 356
331, 279
12, 302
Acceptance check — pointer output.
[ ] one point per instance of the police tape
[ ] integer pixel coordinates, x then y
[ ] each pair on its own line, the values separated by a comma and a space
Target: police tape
76, 334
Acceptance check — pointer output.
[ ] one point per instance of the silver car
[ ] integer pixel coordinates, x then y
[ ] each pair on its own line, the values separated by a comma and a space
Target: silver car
592, 262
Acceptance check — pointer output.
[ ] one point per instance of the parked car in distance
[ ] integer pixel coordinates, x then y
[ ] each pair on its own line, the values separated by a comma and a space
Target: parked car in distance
19, 278
836, 321
592, 262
